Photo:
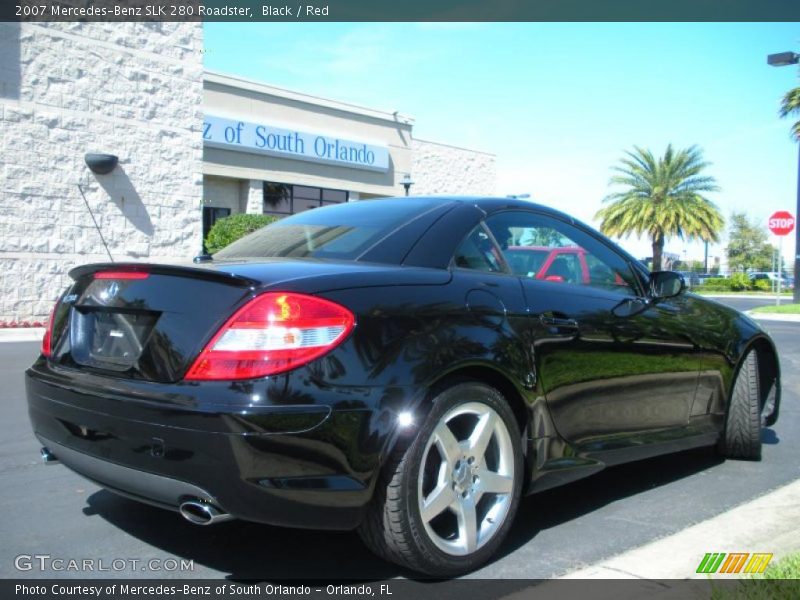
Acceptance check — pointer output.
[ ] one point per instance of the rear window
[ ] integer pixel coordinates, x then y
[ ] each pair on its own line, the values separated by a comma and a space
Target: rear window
343, 231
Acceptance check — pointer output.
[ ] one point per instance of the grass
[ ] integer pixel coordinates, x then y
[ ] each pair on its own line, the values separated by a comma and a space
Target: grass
783, 309
786, 568
781, 581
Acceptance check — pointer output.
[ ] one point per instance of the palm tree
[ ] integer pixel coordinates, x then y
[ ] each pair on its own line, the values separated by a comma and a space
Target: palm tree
663, 198
791, 104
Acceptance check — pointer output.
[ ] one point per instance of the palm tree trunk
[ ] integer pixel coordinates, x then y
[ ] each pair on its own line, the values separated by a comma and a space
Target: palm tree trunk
658, 250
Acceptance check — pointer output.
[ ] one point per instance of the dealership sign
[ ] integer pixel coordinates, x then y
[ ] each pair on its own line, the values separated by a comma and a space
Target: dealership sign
244, 136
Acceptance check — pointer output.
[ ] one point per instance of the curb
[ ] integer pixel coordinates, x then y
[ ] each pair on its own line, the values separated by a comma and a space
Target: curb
22, 334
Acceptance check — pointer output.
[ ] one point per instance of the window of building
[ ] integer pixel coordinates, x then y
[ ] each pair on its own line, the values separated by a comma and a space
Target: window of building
285, 199
277, 198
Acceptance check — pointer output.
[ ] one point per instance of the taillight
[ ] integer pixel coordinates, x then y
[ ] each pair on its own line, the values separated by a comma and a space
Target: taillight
47, 340
273, 333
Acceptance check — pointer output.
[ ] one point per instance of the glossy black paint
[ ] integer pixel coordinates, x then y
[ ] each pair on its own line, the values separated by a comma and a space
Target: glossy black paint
593, 379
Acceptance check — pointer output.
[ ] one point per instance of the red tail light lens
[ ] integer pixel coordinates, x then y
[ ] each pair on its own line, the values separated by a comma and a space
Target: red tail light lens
47, 340
273, 333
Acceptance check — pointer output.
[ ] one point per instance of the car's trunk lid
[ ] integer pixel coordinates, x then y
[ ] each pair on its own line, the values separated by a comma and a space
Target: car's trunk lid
150, 321
142, 321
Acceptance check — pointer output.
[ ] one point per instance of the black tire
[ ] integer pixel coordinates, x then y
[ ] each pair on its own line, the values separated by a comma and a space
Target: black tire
394, 528
742, 436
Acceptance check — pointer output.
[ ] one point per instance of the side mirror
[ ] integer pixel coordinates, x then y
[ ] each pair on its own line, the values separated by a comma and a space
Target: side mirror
666, 284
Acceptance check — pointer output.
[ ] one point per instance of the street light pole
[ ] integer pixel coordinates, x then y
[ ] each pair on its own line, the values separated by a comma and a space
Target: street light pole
796, 294
406, 182
783, 59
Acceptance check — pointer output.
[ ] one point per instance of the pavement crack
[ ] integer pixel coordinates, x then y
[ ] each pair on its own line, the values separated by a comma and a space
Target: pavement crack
627, 520
635, 576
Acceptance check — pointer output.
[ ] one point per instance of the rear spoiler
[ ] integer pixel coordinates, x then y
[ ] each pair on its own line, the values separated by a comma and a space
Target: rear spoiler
207, 272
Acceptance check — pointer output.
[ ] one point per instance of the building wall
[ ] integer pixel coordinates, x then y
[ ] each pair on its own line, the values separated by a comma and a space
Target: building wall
129, 89
442, 169
223, 192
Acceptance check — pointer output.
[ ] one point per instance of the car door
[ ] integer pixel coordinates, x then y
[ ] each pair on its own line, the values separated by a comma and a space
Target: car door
617, 370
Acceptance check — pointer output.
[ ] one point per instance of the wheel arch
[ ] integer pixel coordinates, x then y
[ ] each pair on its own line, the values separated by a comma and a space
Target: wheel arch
768, 371
490, 376
472, 372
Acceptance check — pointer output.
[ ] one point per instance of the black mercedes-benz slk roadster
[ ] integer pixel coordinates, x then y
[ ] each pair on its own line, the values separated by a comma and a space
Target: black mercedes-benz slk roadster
406, 367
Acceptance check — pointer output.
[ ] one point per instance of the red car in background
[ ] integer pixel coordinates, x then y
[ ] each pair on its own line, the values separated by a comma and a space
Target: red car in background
567, 264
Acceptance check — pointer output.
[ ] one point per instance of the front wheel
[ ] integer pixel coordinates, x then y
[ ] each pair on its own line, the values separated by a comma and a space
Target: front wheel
447, 498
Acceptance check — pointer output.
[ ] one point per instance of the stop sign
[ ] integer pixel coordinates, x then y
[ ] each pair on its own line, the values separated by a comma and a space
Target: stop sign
781, 223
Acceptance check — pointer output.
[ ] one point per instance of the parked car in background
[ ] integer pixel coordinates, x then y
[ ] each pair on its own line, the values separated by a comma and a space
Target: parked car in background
409, 368
563, 264
702, 277
773, 277
691, 278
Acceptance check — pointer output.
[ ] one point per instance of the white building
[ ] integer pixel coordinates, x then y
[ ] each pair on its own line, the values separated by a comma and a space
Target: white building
192, 147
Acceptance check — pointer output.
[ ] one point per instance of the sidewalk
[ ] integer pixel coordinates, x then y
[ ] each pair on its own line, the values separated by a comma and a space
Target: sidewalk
762, 296
773, 317
22, 334
770, 523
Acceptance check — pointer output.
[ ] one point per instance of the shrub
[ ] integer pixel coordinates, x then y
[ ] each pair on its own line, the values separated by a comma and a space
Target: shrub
717, 284
762, 285
740, 282
228, 230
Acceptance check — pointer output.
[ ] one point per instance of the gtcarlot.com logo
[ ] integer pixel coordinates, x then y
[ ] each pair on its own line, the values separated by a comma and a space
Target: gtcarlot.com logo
734, 562
46, 562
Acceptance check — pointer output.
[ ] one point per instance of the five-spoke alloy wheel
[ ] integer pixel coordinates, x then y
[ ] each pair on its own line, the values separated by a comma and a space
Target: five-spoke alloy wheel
465, 487
451, 492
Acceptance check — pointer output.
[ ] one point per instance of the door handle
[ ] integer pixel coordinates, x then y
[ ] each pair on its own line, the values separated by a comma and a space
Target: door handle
550, 320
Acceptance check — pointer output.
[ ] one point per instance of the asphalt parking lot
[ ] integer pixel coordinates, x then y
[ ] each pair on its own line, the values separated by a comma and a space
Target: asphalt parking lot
47, 510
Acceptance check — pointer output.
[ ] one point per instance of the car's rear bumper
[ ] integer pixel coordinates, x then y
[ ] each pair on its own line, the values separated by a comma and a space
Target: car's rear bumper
308, 466
158, 490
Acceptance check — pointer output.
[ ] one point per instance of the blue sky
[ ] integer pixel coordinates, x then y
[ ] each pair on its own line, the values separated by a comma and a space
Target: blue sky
557, 103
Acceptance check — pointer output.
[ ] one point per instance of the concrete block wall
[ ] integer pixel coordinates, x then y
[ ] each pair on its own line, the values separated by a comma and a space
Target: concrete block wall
442, 169
129, 89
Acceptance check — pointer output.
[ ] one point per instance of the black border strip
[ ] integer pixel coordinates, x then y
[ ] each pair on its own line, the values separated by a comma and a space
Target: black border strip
472, 589
401, 11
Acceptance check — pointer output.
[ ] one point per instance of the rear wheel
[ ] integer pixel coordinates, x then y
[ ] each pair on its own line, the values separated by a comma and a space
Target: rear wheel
742, 437
448, 497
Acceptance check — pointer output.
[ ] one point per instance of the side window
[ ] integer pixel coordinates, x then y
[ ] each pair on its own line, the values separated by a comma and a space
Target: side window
540, 247
479, 252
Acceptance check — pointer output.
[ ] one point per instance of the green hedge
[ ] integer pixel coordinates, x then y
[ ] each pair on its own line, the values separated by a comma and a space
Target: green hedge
762, 285
228, 230
738, 282
716, 284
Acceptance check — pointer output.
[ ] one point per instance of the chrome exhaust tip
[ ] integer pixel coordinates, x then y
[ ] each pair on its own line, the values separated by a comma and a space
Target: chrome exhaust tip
202, 513
48, 457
